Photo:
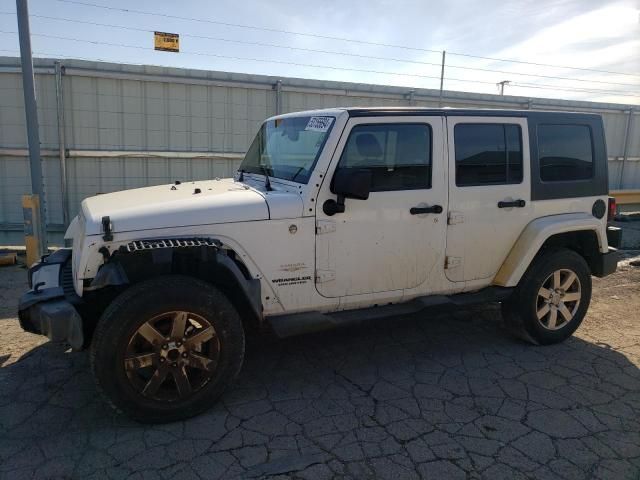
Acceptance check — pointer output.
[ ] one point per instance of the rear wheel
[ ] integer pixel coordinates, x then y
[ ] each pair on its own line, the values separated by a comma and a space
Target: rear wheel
552, 298
166, 349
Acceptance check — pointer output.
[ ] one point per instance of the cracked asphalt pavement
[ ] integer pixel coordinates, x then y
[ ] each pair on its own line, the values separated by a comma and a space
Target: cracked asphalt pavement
442, 396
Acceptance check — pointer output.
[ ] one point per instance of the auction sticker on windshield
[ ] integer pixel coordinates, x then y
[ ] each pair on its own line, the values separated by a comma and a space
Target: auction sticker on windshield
319, 124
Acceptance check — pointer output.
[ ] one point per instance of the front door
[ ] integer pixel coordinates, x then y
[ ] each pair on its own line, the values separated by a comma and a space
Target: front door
489, 193
394, 240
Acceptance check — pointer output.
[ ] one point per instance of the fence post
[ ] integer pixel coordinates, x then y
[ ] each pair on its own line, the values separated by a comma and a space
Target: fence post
62, 147
625, 151
411, 97
278, 88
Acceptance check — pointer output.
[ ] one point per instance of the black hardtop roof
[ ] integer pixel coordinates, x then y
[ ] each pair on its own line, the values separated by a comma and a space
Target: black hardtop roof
475, 112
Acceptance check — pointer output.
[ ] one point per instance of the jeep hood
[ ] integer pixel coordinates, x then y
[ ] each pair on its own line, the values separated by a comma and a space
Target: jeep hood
188, 204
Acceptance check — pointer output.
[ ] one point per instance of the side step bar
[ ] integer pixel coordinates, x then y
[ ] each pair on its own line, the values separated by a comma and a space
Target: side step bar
310, 322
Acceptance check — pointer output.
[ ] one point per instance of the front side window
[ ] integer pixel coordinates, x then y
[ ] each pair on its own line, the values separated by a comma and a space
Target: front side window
488, 154
398, 155
565, 152
288, 148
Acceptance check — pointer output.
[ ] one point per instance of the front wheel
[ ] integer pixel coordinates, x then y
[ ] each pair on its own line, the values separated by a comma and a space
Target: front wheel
552, 298
166, 349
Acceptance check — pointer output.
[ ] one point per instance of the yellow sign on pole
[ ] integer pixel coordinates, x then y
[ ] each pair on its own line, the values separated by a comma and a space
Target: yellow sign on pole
167, 42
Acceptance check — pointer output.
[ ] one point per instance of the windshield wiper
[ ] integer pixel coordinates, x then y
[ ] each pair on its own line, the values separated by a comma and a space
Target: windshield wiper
267, 182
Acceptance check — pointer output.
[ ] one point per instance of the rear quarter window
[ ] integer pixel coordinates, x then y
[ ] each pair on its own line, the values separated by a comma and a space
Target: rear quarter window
565, 152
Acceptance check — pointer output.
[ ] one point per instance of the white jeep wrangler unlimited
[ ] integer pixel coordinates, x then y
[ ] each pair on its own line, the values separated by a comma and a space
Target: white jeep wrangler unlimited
334, 216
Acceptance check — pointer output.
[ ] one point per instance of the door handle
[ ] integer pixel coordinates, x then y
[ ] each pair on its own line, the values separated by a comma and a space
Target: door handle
514, 203
419, 210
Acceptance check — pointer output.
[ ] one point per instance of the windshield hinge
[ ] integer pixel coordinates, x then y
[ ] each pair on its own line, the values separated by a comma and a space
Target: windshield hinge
452, 262
455, 218
325, 226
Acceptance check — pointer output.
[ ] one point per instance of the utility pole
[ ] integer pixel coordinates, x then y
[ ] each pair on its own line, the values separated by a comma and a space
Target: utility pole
502, 84
444, 54
38, 230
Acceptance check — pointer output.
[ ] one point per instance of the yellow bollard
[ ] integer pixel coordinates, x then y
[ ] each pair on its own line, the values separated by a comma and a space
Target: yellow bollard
32, 223
7, 258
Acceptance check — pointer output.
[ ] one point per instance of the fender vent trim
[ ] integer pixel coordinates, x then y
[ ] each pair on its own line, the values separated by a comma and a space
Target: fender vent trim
158, 243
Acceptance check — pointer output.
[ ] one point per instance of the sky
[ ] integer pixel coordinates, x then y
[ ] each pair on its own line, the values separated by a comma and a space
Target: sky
382, 42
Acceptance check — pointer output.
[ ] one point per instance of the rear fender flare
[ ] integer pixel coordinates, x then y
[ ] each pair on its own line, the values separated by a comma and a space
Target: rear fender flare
534, 236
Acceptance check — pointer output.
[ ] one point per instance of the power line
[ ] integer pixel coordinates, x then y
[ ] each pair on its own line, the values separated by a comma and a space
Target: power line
331, 67
553, 77
239, 25
538, 64
586, 90
328, 37
331, 52
58, 55
222, 39
207, 54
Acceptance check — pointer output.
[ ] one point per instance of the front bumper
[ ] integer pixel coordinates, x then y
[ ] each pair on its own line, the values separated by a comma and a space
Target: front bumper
49, 307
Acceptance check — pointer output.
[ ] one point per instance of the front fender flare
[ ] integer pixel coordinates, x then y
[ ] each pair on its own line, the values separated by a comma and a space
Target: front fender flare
536, 233
202, 258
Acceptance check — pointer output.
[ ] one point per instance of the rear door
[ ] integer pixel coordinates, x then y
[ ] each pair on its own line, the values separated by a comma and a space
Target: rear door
489, 193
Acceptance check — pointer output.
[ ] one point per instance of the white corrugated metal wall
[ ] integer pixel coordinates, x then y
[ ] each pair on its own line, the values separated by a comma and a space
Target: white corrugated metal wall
128, 126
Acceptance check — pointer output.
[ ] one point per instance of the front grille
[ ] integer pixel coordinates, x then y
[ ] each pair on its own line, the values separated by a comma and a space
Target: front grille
169, 243
66, 280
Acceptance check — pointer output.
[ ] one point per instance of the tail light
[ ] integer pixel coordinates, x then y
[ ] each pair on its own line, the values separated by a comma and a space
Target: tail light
611, 215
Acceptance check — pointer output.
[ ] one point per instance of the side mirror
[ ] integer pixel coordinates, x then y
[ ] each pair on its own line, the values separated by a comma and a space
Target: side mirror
352, 183
347, 183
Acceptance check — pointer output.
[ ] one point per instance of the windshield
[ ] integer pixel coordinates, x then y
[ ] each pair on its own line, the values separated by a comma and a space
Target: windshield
288, 148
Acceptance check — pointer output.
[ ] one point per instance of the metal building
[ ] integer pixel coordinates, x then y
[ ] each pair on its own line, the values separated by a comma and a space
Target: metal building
114, 126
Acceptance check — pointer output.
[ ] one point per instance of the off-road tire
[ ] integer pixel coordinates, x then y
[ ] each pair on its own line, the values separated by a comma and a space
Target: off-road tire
130, 310
520, 310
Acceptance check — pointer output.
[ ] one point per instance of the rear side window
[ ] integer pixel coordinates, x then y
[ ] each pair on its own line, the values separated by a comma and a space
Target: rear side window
565, 152
488, 154
398, 155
